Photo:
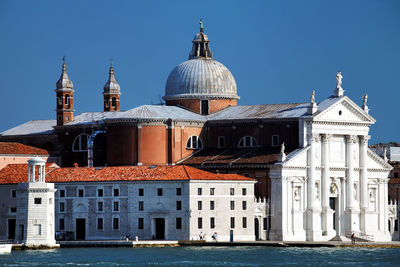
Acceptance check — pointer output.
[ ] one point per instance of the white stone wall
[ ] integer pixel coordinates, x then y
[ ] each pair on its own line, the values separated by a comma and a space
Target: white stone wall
222, 198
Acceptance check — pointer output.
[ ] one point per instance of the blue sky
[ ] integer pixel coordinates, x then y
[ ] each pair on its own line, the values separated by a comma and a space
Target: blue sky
278, 52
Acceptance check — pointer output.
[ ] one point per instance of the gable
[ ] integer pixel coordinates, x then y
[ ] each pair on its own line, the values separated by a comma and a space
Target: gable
376, 162
297, 158
344, 110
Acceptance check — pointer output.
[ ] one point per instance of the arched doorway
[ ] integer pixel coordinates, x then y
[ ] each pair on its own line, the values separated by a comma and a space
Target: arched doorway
257, 228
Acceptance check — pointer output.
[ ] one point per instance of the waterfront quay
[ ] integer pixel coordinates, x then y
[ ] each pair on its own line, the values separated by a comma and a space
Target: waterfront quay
171, 243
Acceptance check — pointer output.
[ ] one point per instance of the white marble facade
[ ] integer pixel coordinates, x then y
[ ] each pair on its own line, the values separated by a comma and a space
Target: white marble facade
334, 185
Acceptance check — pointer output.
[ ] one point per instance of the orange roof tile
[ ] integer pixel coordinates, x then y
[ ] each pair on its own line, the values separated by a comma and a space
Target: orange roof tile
20, 149
17, 173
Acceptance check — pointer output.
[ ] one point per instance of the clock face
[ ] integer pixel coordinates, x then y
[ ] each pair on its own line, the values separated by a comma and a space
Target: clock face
333, 188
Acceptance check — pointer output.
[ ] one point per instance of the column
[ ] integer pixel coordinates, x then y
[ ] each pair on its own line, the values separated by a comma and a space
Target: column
314, 232
363, 182
327, 213
350, 208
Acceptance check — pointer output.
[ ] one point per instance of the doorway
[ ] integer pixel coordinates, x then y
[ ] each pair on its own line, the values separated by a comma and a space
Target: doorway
11, 228
160, 228
80, 229
332, 205
257, 228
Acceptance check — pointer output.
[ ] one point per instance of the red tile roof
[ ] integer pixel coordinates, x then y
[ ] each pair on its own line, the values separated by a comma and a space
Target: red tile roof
17, 173
20, 149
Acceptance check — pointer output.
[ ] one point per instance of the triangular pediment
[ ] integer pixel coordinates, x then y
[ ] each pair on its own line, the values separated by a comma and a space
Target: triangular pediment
343, 110
297, 158
374, 161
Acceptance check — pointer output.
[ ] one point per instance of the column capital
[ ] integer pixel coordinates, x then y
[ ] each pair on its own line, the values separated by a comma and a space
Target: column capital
313, 137
351, 138
364, 139
326, 138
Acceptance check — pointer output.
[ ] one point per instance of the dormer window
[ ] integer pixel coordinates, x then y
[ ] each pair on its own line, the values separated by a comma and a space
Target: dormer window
247, 141
80, 143
194, 142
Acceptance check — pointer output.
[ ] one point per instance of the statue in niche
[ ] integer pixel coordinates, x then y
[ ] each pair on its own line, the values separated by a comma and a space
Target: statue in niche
355, 191
296, 193
372, 195
333, 188
316, 190
339, 78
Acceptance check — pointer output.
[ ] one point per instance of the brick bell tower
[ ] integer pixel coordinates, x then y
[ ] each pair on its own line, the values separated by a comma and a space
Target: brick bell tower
111, 93
65, 98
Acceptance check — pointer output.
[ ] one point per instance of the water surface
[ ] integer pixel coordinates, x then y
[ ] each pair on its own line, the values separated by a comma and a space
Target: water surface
204, 256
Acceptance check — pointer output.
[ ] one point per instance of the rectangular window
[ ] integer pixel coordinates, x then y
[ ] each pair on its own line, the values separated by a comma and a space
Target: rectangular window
62, 206
212, 191
179, 205
38, 229
212, 222
200, 223
232, 205
100, 192
265, 223
116, 192
232, 191
221, 141
159, 191
199, 205
80, 193
232, 222
100, 206
199, 191
116, 206
61, 224
141, 192
13, 193
244, 191
62, 193
13, 209
212, 205
141, 205
38, 200
179, 191
244, 205
244, 222
140, 223
178, 223
99, 223
275, 140
115, 223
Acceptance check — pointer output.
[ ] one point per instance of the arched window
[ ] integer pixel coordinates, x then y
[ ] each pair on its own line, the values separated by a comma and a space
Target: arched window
247, 141
194, 142
113, 102
67, 100
80, 143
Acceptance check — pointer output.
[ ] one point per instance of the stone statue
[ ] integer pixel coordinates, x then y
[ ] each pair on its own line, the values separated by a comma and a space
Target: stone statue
313, 96
283, 148
201, 25
365, 98
339, 78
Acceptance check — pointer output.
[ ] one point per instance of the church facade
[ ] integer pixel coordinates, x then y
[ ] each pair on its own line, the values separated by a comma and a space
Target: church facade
311, 160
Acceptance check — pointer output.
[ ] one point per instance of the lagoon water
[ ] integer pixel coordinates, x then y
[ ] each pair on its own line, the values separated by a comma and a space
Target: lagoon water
204, 256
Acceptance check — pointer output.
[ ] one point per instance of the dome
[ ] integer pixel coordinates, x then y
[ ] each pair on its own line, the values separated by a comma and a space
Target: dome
200, 78
64, 83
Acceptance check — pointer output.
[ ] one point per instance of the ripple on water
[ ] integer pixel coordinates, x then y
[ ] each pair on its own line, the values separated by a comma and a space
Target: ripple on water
204, 256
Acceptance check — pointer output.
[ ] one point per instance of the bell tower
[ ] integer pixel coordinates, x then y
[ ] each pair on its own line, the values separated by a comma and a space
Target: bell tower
111, 93
65, 97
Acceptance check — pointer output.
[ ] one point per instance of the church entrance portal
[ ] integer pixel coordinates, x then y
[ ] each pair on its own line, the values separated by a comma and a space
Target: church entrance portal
257, 228
80, 229
160, 228
332, 205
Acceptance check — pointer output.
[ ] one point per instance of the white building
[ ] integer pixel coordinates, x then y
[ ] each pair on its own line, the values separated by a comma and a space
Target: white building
334, 185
